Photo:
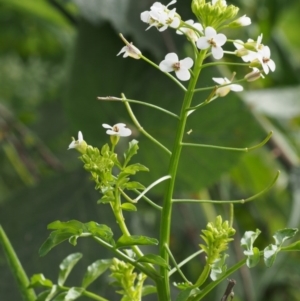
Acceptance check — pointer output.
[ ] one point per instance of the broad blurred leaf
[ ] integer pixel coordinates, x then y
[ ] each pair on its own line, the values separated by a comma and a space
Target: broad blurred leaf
66, 267
94, 270
40, 280
282, 235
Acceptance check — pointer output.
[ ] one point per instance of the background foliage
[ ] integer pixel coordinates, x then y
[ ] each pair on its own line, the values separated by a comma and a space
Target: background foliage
57, 56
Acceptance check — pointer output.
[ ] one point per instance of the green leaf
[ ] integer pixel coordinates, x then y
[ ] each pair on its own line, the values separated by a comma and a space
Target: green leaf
282, 235
133, 185
66, 267
134, 168
184, 295
132, 150
73, 240
60, 297
254, 258
270, 253
292, 247
43, 295
148, 289
125, 241
73, 293
249, 238
52, 293
39, 280
95, 270
128, 207
106, 199
218, 267
154, 259
73, 226
99, 230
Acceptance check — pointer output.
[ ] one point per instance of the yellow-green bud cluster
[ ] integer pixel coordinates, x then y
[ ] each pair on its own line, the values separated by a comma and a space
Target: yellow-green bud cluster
100, 166
216, 236
213, 15
130, 282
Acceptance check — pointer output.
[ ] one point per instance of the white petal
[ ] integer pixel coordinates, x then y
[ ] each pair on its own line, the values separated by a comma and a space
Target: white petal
266, 68
72, 144
172, 2
80, 136
120, 125
210, 32
219, 80
183, 74
175, 23
236, 88
107, 126
198, 26
202, 43
266, 52
220, 39
166, 66
124, 132
186, 63
173, 57
217, 52
145, 16
271, 65
238, 44
122, 50
112, 133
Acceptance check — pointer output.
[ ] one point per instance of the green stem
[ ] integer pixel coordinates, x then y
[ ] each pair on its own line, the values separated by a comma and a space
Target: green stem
176, 265
231, 214
163, 286
112, 98
203, 276
28, 294
151, 203
219, 86
224, 64
213, 284
140, 128
87, 294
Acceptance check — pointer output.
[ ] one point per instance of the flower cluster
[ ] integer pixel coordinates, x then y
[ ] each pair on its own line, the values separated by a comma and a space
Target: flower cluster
214, 15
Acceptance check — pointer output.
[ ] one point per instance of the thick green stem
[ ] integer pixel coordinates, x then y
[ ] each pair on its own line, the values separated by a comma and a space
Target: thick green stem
28, 294
163, 286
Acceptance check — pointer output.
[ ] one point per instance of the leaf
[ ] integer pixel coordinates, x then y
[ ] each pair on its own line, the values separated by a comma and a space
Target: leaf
134, 168
133, 185
154, 259
66, 267
148, 289
270, 253
254, 258
74, 293
39, 280
60, 297
184, 295
73, 226
52, 293
132, 150
125, 241
43, 295
282, 235
95, 270
292, 247
248, 239
128, 207
218, 267
99, 230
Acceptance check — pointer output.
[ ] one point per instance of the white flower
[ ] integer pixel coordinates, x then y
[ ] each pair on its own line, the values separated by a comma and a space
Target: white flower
243, 21
131, 50
161, 17
223, 91
193, 35
213, 40
246, 54
264, 58
79, 145
118, 129
181, 68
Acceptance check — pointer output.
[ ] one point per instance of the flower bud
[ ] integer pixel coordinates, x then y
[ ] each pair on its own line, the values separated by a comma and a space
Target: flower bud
253, 75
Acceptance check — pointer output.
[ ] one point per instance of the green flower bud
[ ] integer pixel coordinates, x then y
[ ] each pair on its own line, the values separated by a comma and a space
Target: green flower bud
213, 13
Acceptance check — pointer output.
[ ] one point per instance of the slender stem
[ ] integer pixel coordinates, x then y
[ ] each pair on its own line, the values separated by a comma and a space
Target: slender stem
166, 73
86, 293
219, 86
140, 128
175, 263
242, 201
182, 263
163, 286
112, 98
149, 201
231, 214
151, 186
16, 268
224, 64
246, 149
213, 284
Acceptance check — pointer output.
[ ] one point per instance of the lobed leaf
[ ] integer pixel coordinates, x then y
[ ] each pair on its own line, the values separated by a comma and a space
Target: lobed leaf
39, 280
154, 259
131, 151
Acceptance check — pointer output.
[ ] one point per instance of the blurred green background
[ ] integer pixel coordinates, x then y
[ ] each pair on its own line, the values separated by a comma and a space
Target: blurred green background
57, 56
